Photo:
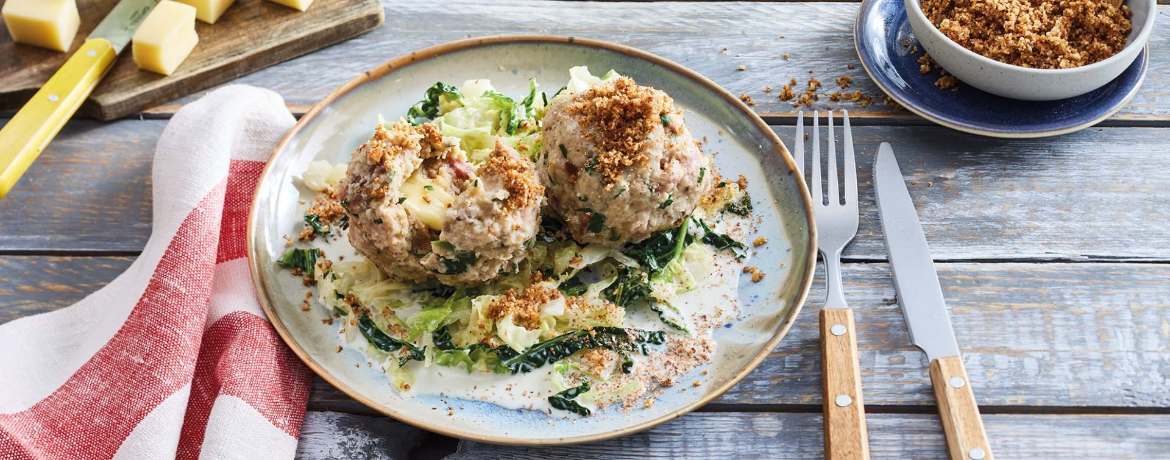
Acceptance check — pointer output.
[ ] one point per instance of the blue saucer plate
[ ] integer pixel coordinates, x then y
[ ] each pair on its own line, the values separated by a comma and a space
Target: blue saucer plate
880, 35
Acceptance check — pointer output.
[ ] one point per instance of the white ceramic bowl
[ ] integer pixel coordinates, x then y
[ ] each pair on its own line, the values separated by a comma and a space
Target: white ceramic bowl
1024, 83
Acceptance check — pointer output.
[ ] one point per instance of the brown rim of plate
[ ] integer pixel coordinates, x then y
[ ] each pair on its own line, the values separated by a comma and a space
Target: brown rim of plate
258, 275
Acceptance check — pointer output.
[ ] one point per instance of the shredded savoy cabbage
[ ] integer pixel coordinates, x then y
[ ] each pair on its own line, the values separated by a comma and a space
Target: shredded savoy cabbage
407, 325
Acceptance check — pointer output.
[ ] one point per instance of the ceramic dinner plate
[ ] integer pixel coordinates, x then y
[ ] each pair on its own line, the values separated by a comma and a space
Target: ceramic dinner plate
879, 34
345, 119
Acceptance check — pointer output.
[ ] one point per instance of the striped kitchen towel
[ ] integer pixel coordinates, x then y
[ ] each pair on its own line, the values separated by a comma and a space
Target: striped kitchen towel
174, 358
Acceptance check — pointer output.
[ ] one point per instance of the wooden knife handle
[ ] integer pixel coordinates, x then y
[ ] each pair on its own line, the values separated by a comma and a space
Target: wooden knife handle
966, 438
28, 132
846, 437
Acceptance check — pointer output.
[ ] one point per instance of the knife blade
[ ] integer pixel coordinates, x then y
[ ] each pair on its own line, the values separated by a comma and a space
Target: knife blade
27, 134
120, 23
920, 296
915, 280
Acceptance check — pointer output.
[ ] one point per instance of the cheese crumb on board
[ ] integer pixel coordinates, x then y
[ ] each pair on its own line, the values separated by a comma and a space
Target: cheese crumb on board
300, 5
208, 11
49, 24
165, 38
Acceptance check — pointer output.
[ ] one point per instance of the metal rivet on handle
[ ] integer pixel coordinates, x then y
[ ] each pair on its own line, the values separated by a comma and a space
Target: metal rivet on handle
91, 53
843, 401
957, 382
53, 98
838, 329
976, 454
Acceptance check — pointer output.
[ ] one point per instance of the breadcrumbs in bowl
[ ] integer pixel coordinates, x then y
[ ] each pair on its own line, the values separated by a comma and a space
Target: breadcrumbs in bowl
1038, 50
1041, 34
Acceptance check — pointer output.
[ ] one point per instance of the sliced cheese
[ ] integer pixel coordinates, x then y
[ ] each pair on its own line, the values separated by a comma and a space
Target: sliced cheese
301, 5
48, 24
209, 11
165, 38
427, 199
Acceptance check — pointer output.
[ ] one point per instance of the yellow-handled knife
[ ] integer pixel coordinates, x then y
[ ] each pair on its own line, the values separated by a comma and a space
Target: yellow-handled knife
30, 130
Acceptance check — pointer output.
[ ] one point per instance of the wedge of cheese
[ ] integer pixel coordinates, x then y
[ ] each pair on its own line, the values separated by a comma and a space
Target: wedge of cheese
209, 11
50, 24
427, 199
165, 38
301, 5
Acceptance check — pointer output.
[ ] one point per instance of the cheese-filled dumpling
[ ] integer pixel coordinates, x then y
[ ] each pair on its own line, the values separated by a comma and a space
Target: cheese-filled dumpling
419, 210
619, 163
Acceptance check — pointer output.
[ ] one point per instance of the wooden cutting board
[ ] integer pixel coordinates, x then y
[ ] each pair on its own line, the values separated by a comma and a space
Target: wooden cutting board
251, 35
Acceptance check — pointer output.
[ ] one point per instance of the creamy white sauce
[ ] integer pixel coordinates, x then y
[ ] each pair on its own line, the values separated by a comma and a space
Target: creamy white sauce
714, 303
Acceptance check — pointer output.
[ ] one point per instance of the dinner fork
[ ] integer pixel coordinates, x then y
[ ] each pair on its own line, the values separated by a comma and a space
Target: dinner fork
845, 432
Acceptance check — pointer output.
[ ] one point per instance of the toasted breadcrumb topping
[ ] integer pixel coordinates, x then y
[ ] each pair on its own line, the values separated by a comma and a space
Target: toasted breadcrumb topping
524, 308
623, 115
402, 137
518, 175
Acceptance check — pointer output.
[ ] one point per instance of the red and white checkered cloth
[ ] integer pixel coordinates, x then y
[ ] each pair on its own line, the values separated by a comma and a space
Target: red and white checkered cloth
174, 358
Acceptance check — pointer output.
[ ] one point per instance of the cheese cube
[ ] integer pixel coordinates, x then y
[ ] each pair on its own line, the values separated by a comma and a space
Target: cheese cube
427, 198
297, 4
165, 38
48, 24
209, 11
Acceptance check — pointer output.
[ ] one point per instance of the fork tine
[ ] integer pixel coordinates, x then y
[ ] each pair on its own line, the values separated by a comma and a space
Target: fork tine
850, 166
814, 184
831, 171
798, 149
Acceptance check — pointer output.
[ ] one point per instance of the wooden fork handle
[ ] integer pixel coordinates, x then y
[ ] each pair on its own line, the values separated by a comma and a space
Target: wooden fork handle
846, 437
962, 424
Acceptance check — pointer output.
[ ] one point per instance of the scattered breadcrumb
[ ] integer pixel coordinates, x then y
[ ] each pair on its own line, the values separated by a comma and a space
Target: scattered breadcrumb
914, 50
339, 348
757, 275
697, 384
1041, 34
786, 93
947, 82
327, 320
741, 68
925, 62
747, 99
786, 57
906, 42
894, 105
759, 241
850, 67
767, 89
844, 81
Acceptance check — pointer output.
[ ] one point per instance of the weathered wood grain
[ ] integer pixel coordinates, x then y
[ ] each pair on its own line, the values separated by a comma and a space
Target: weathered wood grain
31, 285
331, 435
89, 191
1063, 335
816, 36
1095, 195
893, 436
251, 35
737, 435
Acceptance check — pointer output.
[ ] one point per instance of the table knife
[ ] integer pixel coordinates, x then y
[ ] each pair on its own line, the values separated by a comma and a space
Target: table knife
42, 117
920, 296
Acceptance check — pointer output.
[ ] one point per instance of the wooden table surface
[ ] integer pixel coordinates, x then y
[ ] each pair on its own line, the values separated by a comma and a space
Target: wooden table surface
1054, 253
